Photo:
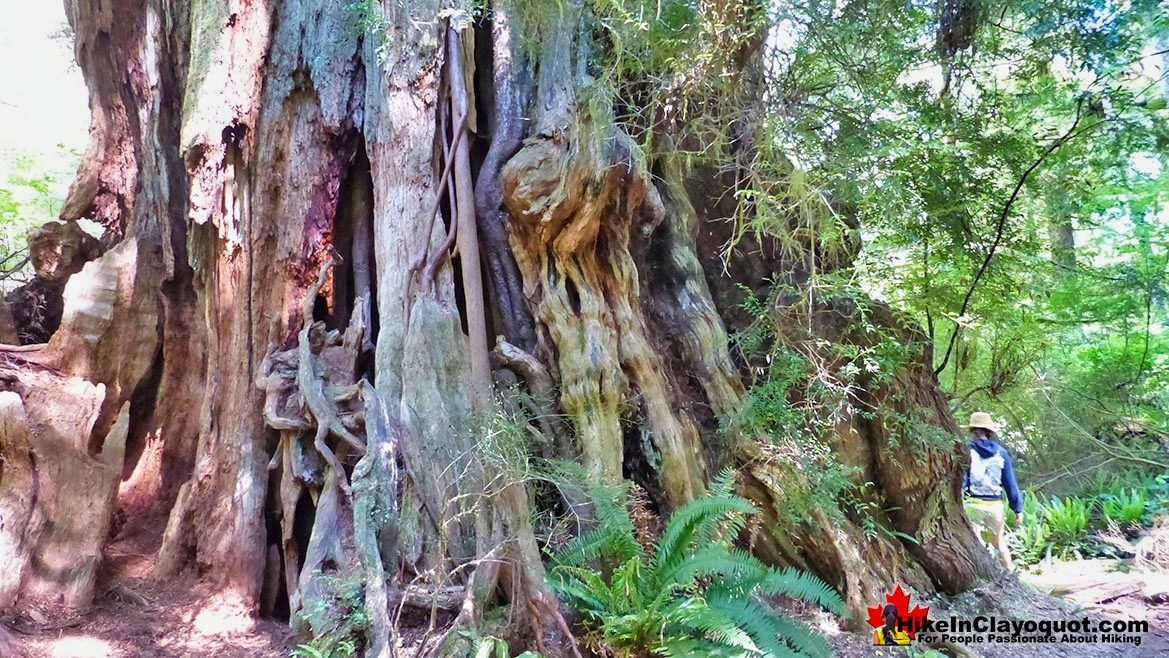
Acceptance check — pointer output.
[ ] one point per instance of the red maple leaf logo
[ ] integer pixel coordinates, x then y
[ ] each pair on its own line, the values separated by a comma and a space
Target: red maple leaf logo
910, 621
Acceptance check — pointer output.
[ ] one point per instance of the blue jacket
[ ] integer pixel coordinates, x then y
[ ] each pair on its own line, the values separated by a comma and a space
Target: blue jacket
991, 474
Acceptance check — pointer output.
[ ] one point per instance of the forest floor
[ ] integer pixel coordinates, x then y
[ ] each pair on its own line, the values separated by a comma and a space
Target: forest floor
135, 616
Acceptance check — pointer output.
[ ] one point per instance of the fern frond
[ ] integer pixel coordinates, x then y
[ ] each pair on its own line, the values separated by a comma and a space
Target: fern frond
609, 541
723, 484
698, 596
800, 637
582, 589
628, 583
613, 540
804, 586
692, 648
754, 620
734, 568
695, 618
773, 633
697, 519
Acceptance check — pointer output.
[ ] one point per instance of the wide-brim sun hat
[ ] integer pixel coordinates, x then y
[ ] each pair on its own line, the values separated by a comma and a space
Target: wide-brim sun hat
983, 420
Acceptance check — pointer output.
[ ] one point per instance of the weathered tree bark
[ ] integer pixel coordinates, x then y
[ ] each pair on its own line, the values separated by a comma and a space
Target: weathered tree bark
57, 251
612, 268
56, 500
237, 149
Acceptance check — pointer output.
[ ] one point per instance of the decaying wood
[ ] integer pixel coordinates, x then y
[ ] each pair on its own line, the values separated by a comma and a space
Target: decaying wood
22, 348
8, 645
421, 363
59, 250
272, 569
32, 312
292, 488
377, 518
447, 598
17, 494
311, 381
353, 543
354, 537
56, 500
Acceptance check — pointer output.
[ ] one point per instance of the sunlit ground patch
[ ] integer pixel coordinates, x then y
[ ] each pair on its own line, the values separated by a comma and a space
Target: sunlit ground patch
81, 646
223, 616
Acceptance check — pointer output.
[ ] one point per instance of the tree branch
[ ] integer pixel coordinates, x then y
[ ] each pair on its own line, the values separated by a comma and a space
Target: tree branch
1068, 135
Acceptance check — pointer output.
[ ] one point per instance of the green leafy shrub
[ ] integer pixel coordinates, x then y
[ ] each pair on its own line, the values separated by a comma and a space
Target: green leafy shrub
1059, 528
1156, 489
696, 595
1067, 522
1126, 508
1031, 537
345, 649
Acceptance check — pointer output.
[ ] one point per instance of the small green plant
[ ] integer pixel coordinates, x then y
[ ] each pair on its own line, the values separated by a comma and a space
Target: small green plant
306, 651
493, 647
1126, 508
335, 618
1157, 490
1067, 522
697, 594
1030, 538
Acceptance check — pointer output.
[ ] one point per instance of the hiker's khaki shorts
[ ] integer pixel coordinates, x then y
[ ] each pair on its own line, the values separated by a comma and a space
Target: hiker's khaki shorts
988, 517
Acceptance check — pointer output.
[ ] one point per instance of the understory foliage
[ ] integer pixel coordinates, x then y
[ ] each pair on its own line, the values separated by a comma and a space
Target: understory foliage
691, 592
1074, 525
803, 386
340, 616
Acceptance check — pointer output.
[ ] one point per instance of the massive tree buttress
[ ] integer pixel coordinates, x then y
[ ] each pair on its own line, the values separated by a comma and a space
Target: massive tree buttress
279, 313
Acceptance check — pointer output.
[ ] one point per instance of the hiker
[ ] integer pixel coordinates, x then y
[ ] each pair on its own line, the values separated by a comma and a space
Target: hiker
891, 634
990, 476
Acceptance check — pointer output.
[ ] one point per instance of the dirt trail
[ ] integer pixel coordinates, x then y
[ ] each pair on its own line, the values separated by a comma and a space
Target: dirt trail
135, 616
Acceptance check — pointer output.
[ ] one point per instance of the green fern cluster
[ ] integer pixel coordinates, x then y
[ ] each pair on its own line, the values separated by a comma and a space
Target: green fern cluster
697, 595
1068, 521
1128, 507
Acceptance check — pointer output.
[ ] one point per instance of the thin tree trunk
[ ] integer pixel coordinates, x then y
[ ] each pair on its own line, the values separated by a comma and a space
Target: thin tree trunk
468, 230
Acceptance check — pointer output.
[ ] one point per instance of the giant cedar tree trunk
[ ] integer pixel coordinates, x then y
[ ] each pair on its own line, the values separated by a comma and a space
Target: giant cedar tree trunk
264, 166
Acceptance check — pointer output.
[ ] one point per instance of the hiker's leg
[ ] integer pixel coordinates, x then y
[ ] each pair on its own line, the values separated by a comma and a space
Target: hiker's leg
996, 522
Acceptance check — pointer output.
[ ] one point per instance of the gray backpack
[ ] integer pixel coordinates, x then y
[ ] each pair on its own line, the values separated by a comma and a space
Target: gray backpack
986, 475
